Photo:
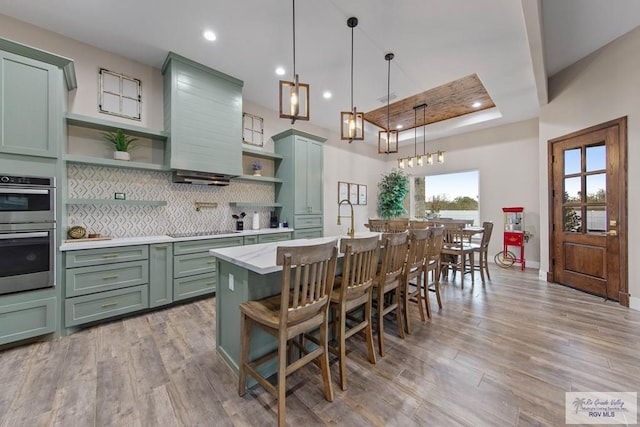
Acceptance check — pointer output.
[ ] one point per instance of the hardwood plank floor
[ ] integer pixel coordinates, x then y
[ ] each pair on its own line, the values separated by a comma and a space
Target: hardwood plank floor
499, 354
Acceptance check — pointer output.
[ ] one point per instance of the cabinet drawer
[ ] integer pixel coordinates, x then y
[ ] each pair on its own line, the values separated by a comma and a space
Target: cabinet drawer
250, 240
88, 280
27, 319
193, 246
103, 305
192, 286
190, 264
308, 234
87, 257
278, 237
307, 221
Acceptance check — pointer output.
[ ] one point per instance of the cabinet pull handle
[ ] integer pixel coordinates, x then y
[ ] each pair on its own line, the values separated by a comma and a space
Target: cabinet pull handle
115, 276
211, 262
110, 304
110, 256
162, 246
213, 282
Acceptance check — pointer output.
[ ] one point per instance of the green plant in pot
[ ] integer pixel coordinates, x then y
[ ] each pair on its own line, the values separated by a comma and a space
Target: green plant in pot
392, 190
121, 144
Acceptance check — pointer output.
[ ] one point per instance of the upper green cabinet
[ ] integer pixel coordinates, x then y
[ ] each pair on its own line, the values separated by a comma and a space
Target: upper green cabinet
30, 106
301, 192
203, 115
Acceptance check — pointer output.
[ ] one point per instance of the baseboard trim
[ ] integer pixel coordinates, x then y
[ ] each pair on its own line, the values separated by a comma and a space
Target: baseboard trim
634, 303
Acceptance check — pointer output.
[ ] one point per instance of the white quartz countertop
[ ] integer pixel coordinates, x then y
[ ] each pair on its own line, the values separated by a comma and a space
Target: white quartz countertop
262, 258
149, 240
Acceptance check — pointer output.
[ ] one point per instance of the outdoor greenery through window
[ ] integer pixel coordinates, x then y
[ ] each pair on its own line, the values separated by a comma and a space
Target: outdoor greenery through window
452, 195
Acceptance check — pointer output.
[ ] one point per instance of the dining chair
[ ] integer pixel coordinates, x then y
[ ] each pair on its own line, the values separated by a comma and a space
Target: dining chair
482, 250
413, 269
432, 264
352, 294
397, 225
377, 225
387, 284
308, 274
418, 225
455, 252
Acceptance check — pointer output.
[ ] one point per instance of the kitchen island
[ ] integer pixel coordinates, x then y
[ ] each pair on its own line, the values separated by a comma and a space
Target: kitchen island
248, 273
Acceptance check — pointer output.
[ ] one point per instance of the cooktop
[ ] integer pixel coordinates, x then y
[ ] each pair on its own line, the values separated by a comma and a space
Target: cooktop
202, 233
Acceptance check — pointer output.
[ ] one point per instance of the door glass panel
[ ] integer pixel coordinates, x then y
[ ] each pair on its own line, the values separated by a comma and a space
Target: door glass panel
596, 158
596, 219
572, 220
572, 161
572, 189
596, 185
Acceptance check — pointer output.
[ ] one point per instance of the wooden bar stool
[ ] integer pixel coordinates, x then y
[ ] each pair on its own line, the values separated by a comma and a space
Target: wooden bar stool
308, 274
455, 252
413, 269
388, 283
351, 293
432, 264
482, 250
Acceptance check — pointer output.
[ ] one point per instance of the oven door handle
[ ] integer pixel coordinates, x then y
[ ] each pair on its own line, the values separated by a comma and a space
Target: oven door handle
22, 191
7, 236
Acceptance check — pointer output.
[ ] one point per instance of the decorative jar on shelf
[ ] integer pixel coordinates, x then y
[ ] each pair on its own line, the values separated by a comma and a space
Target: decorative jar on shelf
257, 168
121, 155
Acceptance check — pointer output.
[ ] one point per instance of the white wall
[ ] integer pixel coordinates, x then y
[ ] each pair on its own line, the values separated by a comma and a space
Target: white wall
88, 60
599, 88
507, 160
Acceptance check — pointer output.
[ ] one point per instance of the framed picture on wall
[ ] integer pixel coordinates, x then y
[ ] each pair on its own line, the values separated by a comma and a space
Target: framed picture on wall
353, 194
362, 194
343, 191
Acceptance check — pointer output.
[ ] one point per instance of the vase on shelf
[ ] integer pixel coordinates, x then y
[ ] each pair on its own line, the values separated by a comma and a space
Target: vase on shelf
257, 172
121, 155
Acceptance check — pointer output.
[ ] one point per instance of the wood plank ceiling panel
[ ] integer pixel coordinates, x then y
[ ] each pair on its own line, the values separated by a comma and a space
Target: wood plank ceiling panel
444, 102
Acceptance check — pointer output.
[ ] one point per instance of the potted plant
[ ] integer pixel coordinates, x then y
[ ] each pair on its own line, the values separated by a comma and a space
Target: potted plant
121, 144
257, 167
392, 190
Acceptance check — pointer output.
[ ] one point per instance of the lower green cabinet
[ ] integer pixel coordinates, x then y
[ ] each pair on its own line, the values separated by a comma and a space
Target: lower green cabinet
311, 233
160, 274
276, 237
193, 286
250, 240
102, 305
22, 320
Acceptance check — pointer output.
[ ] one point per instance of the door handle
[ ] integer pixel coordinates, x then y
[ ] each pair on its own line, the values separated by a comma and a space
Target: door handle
612, 232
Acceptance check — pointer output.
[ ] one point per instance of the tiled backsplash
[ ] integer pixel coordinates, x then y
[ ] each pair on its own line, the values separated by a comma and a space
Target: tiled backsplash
179, 215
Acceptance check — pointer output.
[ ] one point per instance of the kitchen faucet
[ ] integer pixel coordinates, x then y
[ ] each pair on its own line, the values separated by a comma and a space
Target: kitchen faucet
350, 232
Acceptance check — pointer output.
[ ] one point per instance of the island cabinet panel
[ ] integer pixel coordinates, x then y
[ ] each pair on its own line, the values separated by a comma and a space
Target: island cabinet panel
203, 115
160, 274
31, 106
194, 270
301, 192
22, 320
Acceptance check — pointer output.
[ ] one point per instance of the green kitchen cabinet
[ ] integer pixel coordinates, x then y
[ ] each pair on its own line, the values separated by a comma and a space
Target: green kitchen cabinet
203, 115
250, 240
20, 319
194, 270
301, 192
275, 237
31, 106
160, 274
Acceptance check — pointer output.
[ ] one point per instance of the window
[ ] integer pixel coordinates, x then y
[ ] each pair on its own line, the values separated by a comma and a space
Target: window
452, 195
119, 95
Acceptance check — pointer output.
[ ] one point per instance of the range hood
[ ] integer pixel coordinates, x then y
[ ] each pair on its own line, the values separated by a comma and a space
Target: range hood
200, 178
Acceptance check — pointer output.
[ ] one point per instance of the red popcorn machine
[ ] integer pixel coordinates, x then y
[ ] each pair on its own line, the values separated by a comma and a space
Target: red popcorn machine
514, 237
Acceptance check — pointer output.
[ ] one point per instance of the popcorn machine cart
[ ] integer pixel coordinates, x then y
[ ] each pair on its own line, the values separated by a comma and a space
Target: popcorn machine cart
514, 236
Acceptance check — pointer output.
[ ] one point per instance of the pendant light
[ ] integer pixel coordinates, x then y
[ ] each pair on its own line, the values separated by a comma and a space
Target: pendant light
294, 96
352, 122
388, 139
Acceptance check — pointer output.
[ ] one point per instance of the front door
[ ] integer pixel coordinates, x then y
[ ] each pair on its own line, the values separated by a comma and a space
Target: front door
588, 230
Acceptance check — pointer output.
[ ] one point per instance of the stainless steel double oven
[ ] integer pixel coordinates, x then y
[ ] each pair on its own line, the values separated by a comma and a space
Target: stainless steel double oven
27, 233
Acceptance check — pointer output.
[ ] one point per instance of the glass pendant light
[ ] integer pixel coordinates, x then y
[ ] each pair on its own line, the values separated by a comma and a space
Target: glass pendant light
388, 139
294, 96
352, 122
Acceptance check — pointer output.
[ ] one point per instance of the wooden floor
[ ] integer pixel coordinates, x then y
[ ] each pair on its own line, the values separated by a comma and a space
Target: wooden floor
500, 354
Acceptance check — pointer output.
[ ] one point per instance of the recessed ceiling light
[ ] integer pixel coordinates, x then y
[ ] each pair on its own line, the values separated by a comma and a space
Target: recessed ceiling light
280, 71
399, 126
477, 104
209, 35
327, 94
